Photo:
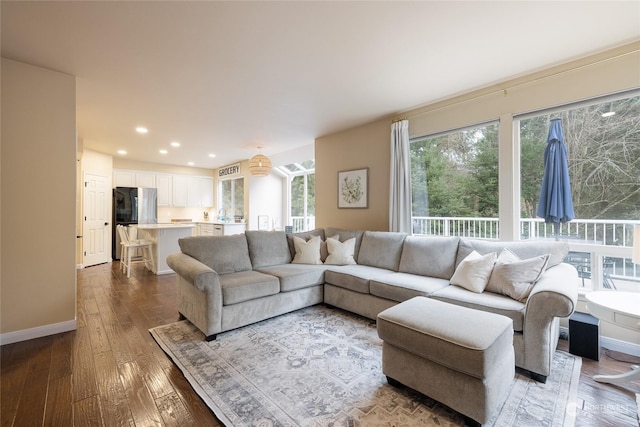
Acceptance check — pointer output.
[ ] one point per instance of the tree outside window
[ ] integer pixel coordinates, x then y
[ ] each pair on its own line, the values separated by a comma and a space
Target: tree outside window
455, 175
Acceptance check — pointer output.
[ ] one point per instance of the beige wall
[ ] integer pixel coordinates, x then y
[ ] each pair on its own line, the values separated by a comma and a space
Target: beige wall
362, 147
38, 277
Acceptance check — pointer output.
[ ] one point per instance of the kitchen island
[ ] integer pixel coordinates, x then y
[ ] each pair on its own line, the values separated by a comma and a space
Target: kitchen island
165, 241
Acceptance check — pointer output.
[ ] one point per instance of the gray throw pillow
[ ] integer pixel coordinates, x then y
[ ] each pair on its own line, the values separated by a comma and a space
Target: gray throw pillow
514, 277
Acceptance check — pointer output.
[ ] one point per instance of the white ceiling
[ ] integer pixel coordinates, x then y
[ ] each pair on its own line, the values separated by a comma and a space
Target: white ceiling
227, 77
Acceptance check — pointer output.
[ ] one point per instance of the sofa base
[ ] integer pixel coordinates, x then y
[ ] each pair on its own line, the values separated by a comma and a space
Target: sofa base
366, 305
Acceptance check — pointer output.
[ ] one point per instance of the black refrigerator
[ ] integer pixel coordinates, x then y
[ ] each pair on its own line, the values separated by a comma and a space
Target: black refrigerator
132, 205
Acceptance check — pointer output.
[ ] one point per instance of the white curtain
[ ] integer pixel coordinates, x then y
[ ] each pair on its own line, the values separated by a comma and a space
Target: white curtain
400, 188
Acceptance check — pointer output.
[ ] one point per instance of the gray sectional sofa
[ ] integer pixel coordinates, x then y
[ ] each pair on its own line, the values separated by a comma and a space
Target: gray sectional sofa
226, 282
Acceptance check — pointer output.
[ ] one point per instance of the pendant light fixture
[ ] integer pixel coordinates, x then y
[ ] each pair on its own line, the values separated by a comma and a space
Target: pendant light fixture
259, 165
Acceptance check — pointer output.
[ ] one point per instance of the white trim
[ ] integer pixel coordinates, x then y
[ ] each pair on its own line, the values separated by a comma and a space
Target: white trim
79, 266
38, 332
612, 344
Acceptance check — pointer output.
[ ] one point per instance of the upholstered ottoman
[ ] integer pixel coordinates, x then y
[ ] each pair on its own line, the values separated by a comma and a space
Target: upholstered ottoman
459, 356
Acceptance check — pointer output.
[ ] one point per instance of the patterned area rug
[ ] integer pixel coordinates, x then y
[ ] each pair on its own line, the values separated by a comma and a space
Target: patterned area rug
322, 367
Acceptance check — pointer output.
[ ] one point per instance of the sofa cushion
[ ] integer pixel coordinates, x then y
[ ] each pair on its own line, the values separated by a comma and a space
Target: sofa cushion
306, 235
381, 249
267, 248
403, 286
353, 277
474, 271
429, 256
247, 285
296, 276
224, 254
525, 249
514, 277
345, 235
307, 252
486, 301
340, 253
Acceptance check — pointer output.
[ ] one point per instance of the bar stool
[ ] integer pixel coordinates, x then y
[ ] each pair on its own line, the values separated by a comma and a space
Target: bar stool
129, 246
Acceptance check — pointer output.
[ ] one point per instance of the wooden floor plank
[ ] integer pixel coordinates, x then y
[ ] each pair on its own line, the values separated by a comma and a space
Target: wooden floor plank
84, 370
114, 401
57, 414
142, 404
30, 411
61, 355
86, 412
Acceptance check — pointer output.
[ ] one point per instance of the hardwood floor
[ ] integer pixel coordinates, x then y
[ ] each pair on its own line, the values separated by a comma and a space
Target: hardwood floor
111, 372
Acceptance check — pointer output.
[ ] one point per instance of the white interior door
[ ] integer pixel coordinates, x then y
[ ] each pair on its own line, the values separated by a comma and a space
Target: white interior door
96, 230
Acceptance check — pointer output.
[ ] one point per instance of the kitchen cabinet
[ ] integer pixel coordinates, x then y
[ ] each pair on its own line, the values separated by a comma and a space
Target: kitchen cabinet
163, 184
164, 238
219, 229
124, 179
179, 190
145, 179
200, 191
128, 178
173, 189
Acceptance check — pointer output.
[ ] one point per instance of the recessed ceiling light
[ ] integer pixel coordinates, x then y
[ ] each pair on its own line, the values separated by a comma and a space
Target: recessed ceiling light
163, 151
122, 152
212, 155
175, 144
141, 129
609, 114
191, 163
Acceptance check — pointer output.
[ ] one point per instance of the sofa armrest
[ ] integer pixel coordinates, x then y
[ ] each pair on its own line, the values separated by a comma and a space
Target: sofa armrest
555, 295
193, 271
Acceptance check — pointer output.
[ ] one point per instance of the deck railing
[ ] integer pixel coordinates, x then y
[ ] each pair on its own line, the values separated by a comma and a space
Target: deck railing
604, 245
301, 223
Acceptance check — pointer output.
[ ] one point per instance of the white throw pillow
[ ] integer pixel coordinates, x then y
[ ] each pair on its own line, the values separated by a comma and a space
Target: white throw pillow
474, 271
307, 252
514, 277
340, 253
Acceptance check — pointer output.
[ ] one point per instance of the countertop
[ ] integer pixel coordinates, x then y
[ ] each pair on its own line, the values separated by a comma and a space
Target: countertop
163, 226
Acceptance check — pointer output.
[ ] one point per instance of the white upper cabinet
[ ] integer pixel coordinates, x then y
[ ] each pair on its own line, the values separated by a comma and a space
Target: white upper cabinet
128, 178
163, 184
123, 178
173, 189
207, 189
146, 179
200, 191
179, 190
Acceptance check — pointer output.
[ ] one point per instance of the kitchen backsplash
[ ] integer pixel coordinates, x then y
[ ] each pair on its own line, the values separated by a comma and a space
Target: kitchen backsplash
166, 214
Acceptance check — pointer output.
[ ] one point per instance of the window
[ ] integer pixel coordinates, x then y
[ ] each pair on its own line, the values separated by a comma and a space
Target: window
231, 198
302, 192
603, 143
454, 179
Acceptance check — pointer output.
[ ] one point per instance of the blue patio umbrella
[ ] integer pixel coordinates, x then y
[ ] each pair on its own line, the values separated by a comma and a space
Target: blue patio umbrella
555, 204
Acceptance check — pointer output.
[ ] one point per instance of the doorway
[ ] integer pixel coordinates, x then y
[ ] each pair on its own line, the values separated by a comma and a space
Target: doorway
96, 228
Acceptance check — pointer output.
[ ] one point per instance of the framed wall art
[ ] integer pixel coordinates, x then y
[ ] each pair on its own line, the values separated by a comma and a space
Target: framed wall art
353, 188
263, 222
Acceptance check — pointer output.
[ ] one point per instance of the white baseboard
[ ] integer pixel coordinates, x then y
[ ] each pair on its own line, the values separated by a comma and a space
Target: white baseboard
79, 266
38, 332
613, 344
